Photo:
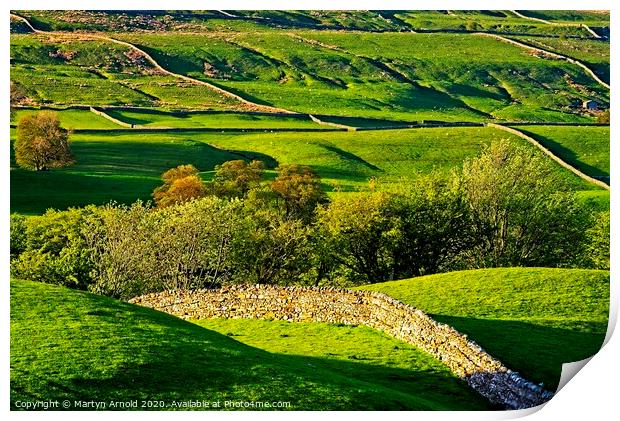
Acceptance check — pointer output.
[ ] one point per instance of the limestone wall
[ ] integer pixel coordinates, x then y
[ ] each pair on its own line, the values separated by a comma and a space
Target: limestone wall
467, 360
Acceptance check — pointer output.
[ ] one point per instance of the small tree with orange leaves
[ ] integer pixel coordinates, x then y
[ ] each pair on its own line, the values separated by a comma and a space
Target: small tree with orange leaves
181, 184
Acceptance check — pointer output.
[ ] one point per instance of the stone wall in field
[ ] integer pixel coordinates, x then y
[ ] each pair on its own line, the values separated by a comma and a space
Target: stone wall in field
467, 360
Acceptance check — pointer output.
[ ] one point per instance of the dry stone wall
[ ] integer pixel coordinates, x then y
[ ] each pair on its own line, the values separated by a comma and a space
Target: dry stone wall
467, 360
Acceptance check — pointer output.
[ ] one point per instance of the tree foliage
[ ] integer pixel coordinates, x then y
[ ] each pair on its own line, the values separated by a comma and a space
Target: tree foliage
180, 184
52, 248
435, 224
298, 188
236, 178
519, 214
362, 231
504, 208
41, 142
597, 250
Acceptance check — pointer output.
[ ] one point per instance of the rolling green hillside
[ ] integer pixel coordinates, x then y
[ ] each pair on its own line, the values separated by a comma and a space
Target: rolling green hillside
533, 320
390, 75
67, 344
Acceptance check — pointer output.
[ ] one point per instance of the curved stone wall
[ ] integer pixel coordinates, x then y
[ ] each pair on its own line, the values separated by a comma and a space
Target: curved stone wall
467, 360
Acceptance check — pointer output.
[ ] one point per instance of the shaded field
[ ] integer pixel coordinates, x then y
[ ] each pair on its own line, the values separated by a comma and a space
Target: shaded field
125, 166
531, 319
111, 167
496, 21
67, 344
359, 20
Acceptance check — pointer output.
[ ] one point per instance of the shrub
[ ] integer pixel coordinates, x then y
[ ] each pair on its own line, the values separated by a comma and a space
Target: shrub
136, 250
597, 250
51, 248
362, 232
435, 226
271, 249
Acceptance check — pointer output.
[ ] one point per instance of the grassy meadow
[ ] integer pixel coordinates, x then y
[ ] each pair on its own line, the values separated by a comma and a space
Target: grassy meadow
586, 148
86, 346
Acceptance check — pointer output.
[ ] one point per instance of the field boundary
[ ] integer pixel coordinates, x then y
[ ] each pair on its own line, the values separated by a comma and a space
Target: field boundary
329, 123
548, 22
483, 373
550, 154
107, 116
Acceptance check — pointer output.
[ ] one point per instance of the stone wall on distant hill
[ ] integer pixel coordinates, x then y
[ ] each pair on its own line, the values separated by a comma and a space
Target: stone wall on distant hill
467, 360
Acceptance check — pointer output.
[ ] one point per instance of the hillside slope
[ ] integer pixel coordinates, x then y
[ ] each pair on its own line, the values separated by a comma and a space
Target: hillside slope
67, 344
532, 319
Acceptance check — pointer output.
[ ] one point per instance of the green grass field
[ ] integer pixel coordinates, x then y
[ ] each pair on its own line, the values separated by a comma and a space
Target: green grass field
586, 148
54, 70
73, 119
489, 76
482, 20
67, 344
361, 20
531, 319
125, 166
593, 17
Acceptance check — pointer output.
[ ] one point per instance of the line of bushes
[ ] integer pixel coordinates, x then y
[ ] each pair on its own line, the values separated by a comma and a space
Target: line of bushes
504, 208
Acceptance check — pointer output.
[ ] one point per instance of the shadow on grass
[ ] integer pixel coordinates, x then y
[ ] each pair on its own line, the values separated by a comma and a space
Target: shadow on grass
129, 352
114, 171
348, 156
566, 154
536, 352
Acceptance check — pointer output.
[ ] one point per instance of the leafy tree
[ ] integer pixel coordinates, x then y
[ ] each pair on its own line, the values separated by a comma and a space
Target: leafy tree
435, 226
196, 242
120, 242
41, 143
272, 249
298, 189
19, 237
362, 232
136, 250
520, 215
181, 184
236, 178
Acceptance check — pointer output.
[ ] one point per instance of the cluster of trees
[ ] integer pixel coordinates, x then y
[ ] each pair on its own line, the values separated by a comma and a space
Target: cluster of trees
503, 208
296, 190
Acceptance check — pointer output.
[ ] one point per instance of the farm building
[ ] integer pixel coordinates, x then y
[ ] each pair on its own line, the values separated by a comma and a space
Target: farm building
590, 105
